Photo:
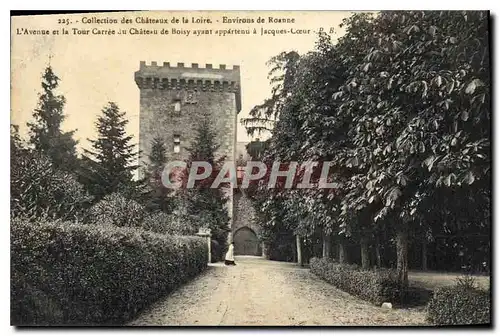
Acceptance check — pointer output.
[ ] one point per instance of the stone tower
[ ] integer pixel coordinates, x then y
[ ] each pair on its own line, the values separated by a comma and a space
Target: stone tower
173, 100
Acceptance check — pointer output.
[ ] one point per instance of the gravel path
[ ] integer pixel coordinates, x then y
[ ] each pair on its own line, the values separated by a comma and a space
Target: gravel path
258, 292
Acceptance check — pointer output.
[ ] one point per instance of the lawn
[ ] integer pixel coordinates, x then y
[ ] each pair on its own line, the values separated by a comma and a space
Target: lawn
433, 280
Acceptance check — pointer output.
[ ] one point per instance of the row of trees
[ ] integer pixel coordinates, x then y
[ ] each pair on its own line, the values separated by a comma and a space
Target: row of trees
401, 106
49, 179
47, 165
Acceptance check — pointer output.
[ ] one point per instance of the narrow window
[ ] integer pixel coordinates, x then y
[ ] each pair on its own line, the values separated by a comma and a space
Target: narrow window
177, 106
177, 143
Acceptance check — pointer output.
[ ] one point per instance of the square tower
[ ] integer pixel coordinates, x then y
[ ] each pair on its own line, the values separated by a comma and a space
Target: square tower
173, 100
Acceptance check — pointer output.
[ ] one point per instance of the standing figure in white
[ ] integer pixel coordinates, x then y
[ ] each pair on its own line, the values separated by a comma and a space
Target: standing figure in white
229, 260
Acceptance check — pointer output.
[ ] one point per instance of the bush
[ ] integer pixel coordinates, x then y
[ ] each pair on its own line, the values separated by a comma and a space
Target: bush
39, 190
68, 274
460, 304
376, 286
115, 209
162, 222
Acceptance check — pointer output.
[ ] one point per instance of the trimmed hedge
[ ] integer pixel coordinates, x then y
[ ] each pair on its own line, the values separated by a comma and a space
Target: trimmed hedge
376, 286
459, 305
69, 274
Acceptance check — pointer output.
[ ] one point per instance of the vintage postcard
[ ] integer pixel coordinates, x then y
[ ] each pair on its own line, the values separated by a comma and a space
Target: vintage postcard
251, 168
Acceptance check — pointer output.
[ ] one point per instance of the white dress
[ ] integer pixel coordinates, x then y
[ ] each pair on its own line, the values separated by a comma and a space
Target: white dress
230, 253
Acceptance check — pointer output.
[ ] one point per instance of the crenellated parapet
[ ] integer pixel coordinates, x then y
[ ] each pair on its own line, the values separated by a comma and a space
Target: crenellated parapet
169, 77
194, 77
188, 84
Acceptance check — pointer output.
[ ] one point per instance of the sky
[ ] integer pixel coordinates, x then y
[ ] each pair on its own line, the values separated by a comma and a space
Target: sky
95, 69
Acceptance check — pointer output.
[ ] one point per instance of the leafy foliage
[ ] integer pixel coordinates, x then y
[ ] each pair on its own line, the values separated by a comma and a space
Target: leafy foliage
117, 210
39, 189
264, 116
376, 286
412, 110
256, 149
67, 274
400, 106
461, 304
157, 195
160, 222
203, 206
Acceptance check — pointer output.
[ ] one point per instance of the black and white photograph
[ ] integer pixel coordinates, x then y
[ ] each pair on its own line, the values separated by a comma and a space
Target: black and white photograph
251, 168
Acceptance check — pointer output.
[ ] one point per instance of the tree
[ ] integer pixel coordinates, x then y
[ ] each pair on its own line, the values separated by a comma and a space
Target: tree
400, 106
307, 130
108, 167
282, 75
204, 206
411, 97
256, 149
46, 135
17, 145
157, 197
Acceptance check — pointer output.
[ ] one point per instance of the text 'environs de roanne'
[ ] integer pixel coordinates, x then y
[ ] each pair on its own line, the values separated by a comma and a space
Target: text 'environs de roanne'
193, 19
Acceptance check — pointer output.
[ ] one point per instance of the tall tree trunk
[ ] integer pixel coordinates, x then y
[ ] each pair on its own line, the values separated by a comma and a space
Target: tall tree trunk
365, 257
378, 256
265, 250
342, 251
299, 250
326, 245
402, 257
424, 255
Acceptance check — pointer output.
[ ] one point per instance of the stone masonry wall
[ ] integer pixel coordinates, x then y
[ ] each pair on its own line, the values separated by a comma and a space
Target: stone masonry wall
244, 213
199, 91
159, 119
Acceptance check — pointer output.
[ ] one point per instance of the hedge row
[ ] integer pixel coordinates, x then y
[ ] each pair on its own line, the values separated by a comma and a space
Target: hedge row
376, 286
459, 305
69, 274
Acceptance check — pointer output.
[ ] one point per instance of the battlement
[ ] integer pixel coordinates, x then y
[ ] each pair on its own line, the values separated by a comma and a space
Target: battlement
154, 64
173, 76
181, 77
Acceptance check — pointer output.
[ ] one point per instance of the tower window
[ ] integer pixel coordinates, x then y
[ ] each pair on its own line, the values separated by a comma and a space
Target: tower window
177, 106
177, 143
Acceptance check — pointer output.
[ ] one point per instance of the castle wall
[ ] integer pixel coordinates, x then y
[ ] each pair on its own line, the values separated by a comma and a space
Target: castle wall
199, 91
158, 118
174, 100
244, 213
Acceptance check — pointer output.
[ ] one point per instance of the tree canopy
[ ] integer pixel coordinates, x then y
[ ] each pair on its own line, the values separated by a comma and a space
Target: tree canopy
400, 105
